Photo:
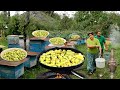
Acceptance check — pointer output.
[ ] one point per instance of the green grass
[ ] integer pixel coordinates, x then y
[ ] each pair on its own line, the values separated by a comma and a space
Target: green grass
31, 73
3, 41
117, 58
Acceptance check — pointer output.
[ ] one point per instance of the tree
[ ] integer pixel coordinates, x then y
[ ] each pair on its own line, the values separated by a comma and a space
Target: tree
66, 22
49, 13
8, 16
3, 22
92, 21
27, 21
14, 25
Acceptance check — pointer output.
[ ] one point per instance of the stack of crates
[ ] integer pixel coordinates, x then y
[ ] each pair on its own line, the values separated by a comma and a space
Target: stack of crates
11, 70
31, 62
35, 46
81, 41
13, 46
13, 41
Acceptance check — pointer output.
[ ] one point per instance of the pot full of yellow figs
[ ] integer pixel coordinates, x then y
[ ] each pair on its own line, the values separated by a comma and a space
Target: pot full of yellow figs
60, 58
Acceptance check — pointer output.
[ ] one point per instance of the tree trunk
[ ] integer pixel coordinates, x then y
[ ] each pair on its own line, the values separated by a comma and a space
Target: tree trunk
8, 16
24, 29
5, 13
51, 13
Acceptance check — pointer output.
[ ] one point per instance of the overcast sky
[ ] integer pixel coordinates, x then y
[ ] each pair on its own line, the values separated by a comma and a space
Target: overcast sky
68, 13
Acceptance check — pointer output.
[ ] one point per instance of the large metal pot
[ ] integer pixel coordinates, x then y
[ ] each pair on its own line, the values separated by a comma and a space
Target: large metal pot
60, 68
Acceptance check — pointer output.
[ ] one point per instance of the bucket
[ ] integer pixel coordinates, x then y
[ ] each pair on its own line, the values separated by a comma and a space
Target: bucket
100, 62
13, 39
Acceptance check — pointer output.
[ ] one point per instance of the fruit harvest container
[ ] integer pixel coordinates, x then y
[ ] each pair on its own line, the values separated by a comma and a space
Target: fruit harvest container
14, 46
13, 39
11, 70
32, 59
37, 45
82, 41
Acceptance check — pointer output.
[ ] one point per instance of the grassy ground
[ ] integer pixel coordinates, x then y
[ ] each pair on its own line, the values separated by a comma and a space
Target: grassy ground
3, 41
117, 58
34, 71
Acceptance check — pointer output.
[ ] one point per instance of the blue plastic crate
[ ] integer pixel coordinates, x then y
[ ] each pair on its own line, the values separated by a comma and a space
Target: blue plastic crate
37, 45
13, 39
83, 41
31, 62
46, 43
14, 46
79, 42
35, 41
107, 56
11, 72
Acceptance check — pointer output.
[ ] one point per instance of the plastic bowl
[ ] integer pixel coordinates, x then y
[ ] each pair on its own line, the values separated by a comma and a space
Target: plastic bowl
10, 49
41, 37
57, 44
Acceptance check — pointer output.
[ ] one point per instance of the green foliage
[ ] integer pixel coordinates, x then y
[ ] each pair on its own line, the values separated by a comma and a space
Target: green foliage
95, 20
17, 22
83, 22
2, 21
14, 25
3, 41
65, 22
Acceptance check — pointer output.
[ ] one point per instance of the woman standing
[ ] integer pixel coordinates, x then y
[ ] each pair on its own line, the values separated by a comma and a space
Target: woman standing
93, 50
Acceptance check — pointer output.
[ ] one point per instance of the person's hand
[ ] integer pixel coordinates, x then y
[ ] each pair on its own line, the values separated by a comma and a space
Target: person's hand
96, 46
